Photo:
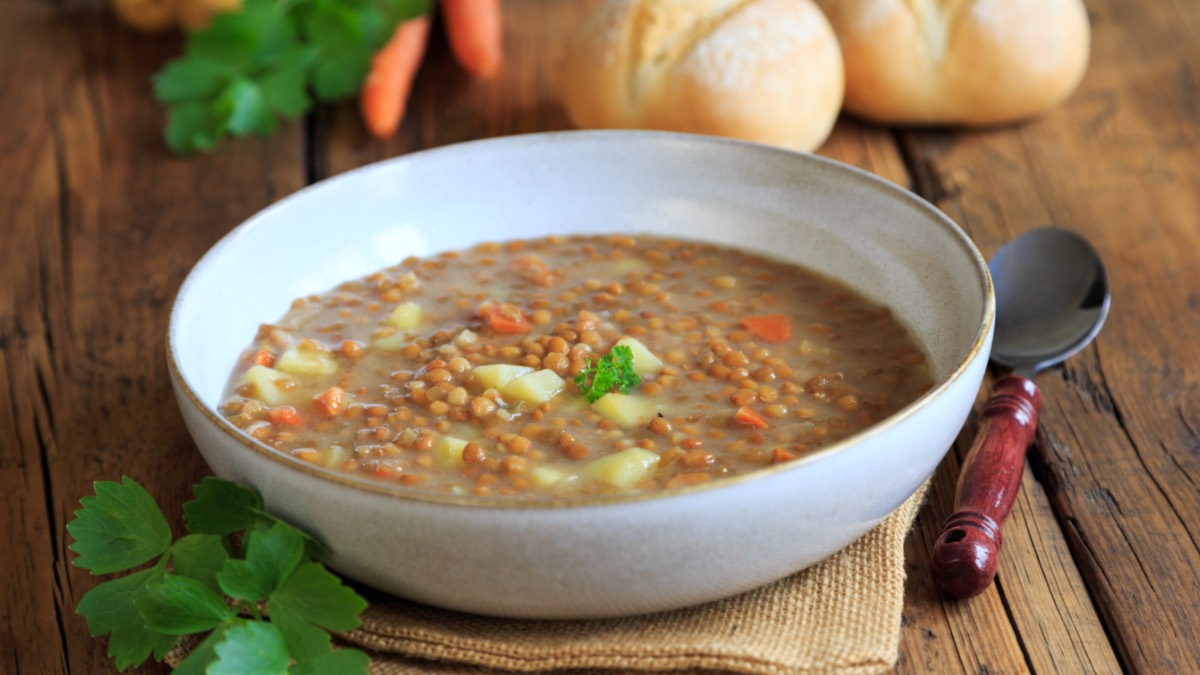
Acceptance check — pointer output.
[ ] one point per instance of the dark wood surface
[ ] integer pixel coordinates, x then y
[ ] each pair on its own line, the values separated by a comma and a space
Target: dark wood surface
99, 225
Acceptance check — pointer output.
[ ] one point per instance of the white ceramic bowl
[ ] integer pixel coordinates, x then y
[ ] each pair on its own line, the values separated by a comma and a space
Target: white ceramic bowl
616, 555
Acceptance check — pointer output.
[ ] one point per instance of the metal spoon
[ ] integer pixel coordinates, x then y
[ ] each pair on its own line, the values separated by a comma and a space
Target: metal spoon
1052, 297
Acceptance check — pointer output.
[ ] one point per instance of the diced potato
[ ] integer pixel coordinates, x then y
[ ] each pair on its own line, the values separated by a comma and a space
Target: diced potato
336, 455
497, 375
392, 342
297, 361
546, 477
627, 410
623, 469
406, 316
536, 387
627, 265
265, 381
644, 361
448, 451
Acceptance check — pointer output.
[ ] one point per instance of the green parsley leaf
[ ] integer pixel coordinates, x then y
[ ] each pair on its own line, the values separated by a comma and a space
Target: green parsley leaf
179, 606
119, 528
192, 126
345, 37
221, 507
197, 661
144, 613
110, 610
614, 370
200, 557
250, 648
304, 640
190, 80
271, 555
334, 663
286, 87
244, 109
314, 594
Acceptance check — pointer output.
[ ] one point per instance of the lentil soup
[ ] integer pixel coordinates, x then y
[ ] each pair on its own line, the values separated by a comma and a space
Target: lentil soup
572, 366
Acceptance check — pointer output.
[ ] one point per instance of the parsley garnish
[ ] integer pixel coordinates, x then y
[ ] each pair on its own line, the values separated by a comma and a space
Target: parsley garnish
204, 583
249, 68
613, 370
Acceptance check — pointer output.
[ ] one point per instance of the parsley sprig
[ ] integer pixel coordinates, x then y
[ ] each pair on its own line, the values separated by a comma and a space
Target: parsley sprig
265, 62
205, 583
613, 370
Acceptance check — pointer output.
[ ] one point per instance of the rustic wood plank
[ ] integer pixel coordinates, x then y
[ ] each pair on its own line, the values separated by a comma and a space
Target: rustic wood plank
100, 226
1117, 449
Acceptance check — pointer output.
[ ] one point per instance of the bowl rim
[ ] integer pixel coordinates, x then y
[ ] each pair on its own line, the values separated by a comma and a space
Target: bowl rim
403, 493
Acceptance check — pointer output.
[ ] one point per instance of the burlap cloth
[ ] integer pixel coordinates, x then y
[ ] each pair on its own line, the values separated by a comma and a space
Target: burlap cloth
839, 616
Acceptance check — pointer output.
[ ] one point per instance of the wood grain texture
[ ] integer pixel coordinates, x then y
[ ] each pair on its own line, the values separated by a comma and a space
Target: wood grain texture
98, 226
1117, 452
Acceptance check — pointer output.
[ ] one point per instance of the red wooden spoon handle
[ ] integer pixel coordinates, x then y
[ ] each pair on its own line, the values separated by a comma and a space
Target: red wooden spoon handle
965, 555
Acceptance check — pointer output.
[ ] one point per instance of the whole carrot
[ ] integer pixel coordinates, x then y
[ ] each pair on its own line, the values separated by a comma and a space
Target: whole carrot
476, 33
385, 91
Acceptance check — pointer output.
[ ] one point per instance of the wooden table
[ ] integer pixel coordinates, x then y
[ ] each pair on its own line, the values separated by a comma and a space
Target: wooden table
99, 225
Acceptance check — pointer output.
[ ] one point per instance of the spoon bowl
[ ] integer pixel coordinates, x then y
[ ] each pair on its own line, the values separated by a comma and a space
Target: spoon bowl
1052, 297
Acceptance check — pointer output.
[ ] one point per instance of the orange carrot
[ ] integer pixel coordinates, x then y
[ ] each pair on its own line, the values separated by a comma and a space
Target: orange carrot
780, 455
769, 327
748, 417
475, 29
330, 401
285, 414
263, 357
504, 318
385, 470
385, 91
532, 268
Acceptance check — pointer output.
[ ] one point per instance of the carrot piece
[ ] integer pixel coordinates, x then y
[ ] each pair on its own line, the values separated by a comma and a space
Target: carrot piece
532, 268
504, 318
385, 90
385, 470
285, 414
475, 29
263, 357
330, 401
780, 455
748, 417
769, 327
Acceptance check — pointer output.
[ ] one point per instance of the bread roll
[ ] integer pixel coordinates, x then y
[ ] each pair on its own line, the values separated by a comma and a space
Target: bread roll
762, 70
971, 62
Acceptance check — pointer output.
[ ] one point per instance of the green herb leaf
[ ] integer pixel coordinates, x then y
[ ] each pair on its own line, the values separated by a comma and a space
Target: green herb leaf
190, 80
144, 613
110, 610
314, 594
199, 557
250, 648
304, 640
271, 555
119, 528
179, 606
192, 126
334, 663
221, 507
614, 370
197, 661
244, 109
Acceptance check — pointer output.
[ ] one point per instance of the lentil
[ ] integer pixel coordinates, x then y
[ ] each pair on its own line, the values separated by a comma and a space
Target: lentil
405, 347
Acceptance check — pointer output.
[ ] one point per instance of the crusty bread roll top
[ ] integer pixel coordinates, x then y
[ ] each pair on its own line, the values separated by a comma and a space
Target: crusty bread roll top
959, 61
762, 70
